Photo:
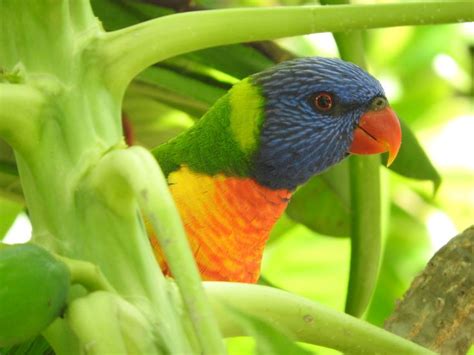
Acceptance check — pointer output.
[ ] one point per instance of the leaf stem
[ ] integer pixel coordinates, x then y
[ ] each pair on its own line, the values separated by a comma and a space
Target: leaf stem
9, 168
61, 338
308, 321
138, 170
86, 274
130, 50
366, 232
19, 105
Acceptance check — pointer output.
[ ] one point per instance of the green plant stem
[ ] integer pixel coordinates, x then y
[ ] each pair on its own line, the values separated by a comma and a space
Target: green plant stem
105, 335
10, 188
18, 104
138, 170
128, 51
86, 274
61, 338
183, 103
308, 321
182, 84
8, 167
366, 233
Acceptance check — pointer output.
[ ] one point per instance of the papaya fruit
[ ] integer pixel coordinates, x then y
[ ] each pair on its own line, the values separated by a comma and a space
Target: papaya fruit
34, 286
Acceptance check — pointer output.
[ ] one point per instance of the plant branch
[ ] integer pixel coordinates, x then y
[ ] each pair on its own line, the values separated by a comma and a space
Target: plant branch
86, 274
438, 309
20, 107
61, 338
136, 170
115, 326
365, 200
130, 50
366, 226
308, 321
366, 234
8, 168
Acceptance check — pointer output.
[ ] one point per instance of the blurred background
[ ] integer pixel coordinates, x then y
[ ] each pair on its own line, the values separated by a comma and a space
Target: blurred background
427, 73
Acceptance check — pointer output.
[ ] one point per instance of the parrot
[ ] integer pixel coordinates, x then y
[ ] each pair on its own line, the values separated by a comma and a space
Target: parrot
233, 172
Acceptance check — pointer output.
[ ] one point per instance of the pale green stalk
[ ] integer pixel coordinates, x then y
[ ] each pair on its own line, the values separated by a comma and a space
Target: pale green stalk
60, 143
366, 234
61, 338
307, 321
18, 103
86, 274
103, 322
130, 50
366, 216
134, 171
65, 146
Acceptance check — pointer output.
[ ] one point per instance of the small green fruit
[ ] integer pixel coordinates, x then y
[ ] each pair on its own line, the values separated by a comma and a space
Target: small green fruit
33, 291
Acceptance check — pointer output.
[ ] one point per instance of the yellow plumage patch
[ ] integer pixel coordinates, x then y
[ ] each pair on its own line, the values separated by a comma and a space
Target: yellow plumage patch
227, 221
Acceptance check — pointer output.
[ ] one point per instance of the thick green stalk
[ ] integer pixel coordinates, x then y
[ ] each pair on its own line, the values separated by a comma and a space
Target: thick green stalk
135, 172
307, 321
365, 232
9, 168
130, 50
107, 324
61, 338
75, 123
87, 275
69, 59
183, 103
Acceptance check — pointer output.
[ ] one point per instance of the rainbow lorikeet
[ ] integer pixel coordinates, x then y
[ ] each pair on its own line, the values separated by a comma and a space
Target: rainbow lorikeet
233, 173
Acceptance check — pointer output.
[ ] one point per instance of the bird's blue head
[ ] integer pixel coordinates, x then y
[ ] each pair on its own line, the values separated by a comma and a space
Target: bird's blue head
313, 108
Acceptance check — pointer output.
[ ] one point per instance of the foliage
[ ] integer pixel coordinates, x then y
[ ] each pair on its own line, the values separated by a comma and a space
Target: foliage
84, 197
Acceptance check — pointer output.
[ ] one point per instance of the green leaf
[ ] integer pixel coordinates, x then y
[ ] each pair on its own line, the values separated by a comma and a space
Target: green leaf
10, 186
9, 210
153, 122
237, 60
269, 340
406, 253
304, 263
36, 346
281, 227
323, 204
181, 84
412, 161
119, 14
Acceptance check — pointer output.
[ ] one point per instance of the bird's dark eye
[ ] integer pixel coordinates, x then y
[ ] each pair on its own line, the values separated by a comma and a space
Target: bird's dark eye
323, 101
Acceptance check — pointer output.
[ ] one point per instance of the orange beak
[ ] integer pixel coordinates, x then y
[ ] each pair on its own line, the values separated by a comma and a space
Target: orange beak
378, 132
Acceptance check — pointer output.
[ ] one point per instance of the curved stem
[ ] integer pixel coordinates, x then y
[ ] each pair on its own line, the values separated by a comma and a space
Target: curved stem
61, 338
365, 232
86, 274
366, 225
128, 51
9, 168
104, 335
365, 200
308, 321
138, 171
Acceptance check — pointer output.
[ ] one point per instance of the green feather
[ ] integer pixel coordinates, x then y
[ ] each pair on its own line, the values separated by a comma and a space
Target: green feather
223, 141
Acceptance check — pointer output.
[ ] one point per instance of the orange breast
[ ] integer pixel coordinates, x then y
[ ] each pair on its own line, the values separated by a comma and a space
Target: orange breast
227, 220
